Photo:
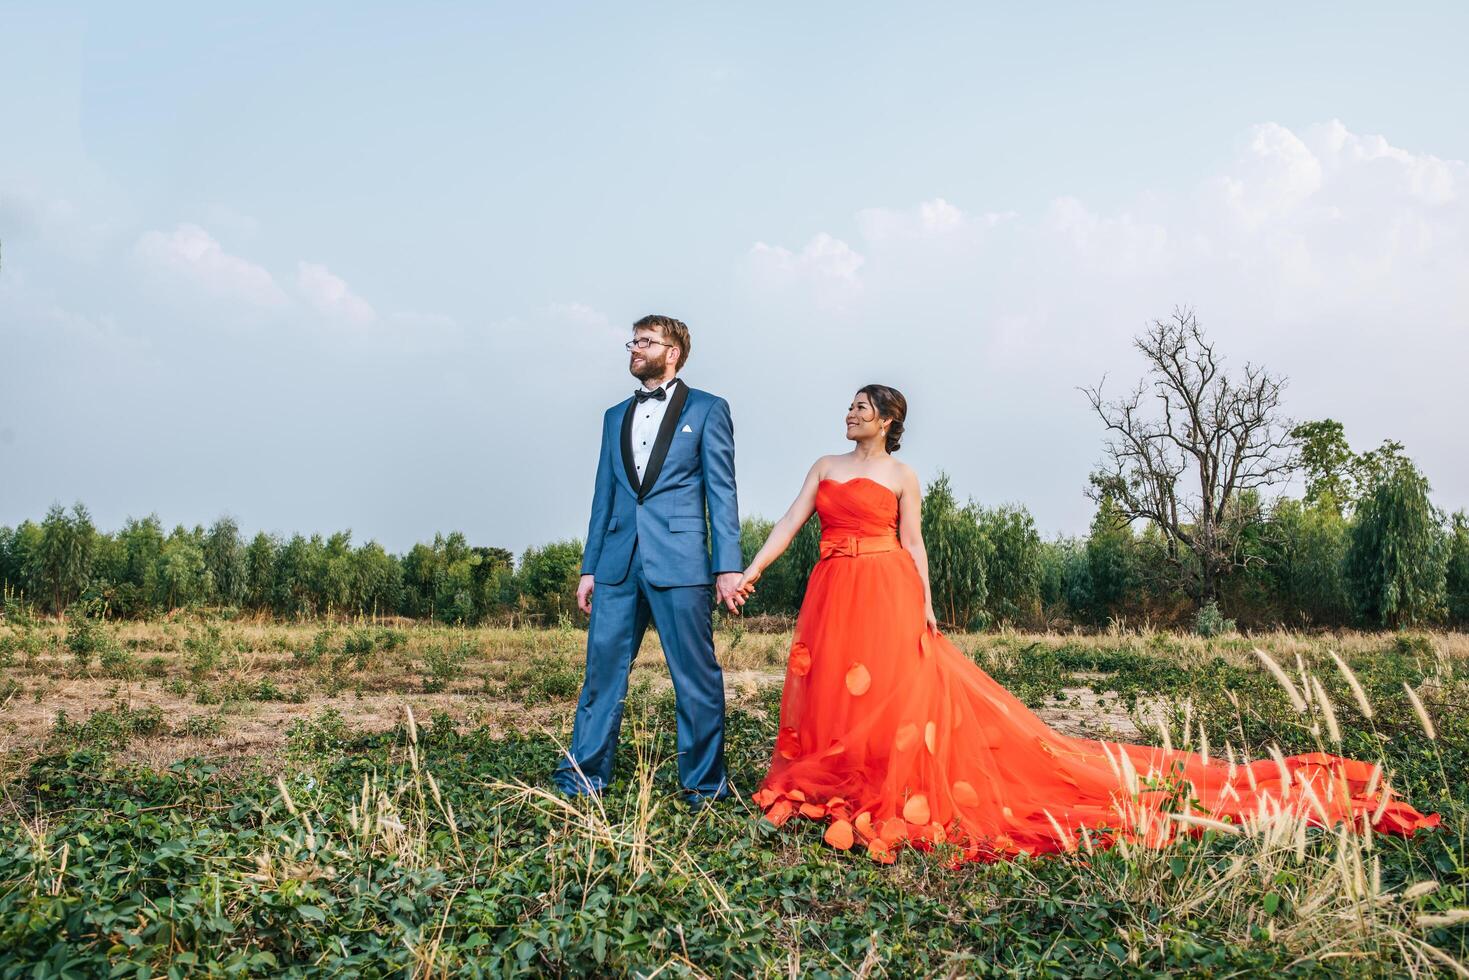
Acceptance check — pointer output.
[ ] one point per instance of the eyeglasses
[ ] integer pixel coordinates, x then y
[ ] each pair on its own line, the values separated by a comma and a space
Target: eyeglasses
643, 343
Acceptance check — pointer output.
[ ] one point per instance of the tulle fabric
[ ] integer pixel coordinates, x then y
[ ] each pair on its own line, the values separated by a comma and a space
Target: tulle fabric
892, 736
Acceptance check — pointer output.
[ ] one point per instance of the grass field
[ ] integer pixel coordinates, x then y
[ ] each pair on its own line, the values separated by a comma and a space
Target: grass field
206, 796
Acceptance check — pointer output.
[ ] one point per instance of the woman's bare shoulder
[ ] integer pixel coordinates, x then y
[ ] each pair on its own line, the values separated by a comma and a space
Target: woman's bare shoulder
905, 475
822, 468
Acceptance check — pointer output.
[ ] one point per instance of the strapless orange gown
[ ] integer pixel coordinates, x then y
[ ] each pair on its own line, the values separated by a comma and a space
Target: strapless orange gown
890, 735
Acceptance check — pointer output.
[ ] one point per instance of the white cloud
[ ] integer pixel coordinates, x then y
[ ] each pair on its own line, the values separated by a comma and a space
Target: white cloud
586, 321
330, 296
191, 256
824, 257
1335, 258
1315, 223
1275, 174
935, 217
827, 264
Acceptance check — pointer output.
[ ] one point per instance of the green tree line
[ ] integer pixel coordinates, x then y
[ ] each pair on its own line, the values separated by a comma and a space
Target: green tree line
142, 571
1364, 547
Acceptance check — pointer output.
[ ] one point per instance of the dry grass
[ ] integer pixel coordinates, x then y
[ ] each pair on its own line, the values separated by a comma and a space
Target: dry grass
500, 678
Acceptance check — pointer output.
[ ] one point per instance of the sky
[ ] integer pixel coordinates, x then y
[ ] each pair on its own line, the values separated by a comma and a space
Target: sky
369, 267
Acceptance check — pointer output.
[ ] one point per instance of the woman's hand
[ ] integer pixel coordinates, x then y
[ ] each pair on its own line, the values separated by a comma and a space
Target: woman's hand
930, 620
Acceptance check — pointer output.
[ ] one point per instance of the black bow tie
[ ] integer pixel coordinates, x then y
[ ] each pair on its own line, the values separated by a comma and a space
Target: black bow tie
643, 394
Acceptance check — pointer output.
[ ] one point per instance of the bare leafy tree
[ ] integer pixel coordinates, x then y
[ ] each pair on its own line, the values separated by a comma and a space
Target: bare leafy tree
1190, 447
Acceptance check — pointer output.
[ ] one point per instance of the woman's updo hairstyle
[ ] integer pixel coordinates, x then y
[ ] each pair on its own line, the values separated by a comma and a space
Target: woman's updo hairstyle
889, 403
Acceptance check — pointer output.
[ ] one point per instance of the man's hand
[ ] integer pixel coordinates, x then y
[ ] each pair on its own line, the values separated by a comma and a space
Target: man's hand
584, 593
726, 590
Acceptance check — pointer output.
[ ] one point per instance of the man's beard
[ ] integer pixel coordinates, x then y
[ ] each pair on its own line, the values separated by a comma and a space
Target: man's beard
650, 370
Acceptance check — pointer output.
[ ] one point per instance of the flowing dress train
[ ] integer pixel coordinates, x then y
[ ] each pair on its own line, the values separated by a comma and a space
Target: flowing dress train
891, 735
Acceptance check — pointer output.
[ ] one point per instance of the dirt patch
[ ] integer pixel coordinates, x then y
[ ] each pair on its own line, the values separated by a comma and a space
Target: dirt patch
257, 730
254, 729
1086, 714
267, 677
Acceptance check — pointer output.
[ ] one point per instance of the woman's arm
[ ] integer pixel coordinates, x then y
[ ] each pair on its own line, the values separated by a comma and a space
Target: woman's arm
785, 529
910, 536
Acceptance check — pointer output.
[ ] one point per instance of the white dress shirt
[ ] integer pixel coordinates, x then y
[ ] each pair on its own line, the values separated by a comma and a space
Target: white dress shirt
647, 417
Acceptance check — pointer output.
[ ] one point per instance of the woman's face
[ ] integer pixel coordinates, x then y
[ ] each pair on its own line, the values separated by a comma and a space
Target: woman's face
862, 420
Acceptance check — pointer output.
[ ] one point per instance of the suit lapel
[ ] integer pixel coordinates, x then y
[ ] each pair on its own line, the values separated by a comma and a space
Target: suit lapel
629, 468
676, 400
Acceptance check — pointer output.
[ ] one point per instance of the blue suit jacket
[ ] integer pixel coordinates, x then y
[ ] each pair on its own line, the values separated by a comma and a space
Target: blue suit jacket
691, 465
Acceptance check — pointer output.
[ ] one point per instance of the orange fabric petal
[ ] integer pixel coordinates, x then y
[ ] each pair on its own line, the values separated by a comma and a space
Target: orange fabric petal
905, 737
916, 809
858, 680
813, 810
892, 830
879, 850
839, 835
796, 794
863, 825
930, 737
800, 660
780, 813
787, 743
964, 794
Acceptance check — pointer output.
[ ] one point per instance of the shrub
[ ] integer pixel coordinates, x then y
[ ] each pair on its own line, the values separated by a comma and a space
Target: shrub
1211, 622
445, 664
323, 736
118, 662
202, 726
108, 728
86, 636
203, 651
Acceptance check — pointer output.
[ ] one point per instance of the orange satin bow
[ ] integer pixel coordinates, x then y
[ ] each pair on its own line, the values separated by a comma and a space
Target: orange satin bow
851, 546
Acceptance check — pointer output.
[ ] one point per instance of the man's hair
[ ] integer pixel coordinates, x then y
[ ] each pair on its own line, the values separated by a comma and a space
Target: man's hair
675, 333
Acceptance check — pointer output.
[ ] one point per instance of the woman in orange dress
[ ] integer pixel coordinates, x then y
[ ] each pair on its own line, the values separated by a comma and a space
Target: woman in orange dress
890, 735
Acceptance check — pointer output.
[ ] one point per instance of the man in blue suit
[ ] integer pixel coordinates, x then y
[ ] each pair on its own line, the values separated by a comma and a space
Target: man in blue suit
667, 452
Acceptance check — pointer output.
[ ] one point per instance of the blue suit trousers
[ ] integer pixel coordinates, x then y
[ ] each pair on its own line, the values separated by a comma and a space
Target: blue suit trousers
620, 615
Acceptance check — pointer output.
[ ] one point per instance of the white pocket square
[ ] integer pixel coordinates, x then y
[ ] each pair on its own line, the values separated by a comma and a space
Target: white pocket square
686, 429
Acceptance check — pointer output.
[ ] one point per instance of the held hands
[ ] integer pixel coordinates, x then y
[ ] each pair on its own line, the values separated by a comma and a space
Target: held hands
726, 591
745, 587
